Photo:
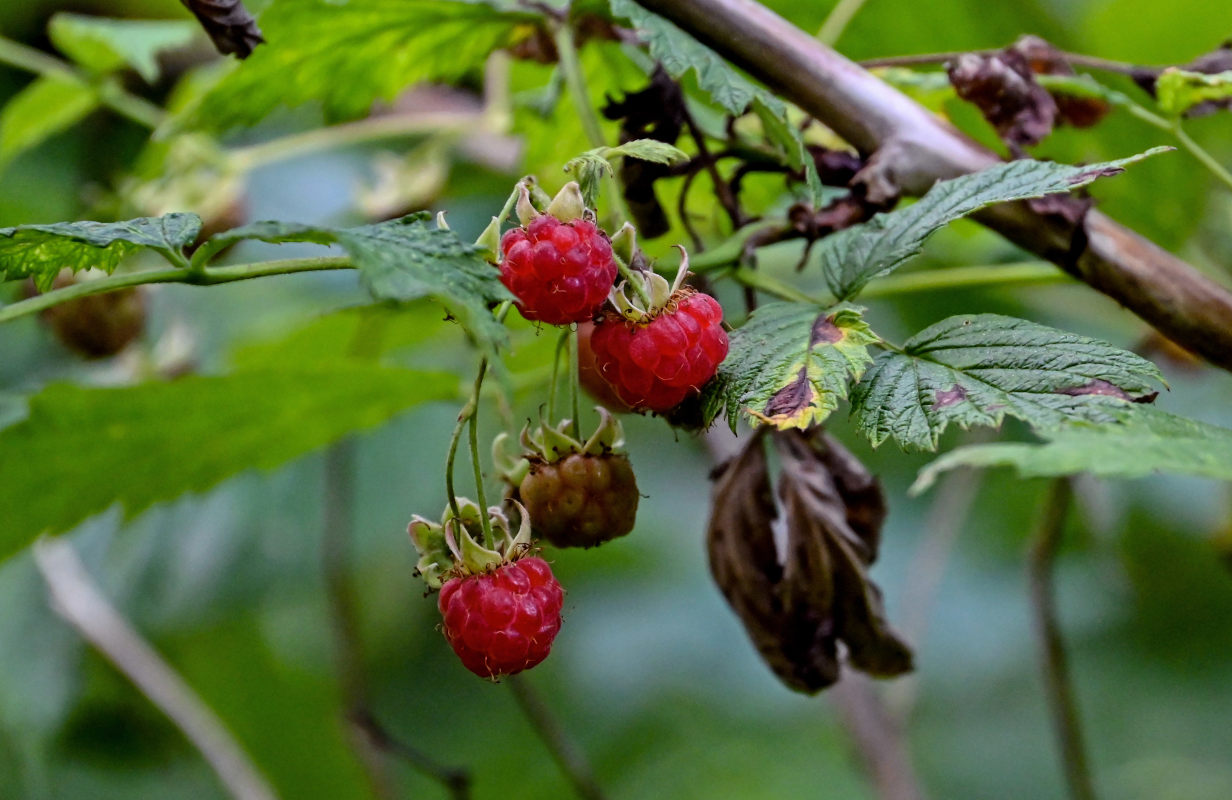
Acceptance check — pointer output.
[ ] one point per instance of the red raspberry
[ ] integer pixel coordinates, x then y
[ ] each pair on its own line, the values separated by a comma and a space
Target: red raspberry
504, 621
654, 365
560, 272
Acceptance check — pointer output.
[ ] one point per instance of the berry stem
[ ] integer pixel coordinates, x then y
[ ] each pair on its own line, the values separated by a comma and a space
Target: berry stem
561, 345
574, 380
575, 82
633, 280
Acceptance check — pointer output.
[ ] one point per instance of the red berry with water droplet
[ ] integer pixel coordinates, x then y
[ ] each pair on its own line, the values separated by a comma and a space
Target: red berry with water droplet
502, 622
560, 272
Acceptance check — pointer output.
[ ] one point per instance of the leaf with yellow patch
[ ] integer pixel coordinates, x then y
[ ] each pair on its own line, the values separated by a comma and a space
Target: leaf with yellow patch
790, 365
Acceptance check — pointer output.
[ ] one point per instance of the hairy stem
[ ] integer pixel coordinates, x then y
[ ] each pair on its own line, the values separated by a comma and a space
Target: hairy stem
1057, 681
562, 346
207, 277
567, 755
575, 383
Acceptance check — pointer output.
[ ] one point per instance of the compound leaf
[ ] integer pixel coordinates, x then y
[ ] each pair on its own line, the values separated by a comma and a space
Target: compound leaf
349, 56
1142, 442
102, 44
132, 441
41, 251
976, 369
790, 365
854, 256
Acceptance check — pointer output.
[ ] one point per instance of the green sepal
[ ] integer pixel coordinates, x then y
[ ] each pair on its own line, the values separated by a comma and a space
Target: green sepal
435, 559
568, 204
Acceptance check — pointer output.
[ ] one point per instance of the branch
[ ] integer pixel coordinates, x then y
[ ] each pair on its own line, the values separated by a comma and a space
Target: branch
1057, 681
877, 737
914, 148
76, 598
564, 752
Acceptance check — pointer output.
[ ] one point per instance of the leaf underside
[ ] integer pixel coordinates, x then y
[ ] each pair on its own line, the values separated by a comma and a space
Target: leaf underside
977, 369
1144, 441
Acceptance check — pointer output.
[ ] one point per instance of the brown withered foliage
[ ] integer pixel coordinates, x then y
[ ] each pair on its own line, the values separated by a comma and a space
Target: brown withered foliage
800, 600
230, 26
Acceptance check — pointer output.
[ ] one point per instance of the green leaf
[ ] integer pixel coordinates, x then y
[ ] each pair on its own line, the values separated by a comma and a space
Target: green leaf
790, 365
41, 251
1179, 90
854, 256
590, 167
349, 56
976, 369
405, 259
102, 44
82, 450
679, 52
42, 109
1143, 442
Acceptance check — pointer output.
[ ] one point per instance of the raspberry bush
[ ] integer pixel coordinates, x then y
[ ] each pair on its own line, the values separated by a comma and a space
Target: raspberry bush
519, 202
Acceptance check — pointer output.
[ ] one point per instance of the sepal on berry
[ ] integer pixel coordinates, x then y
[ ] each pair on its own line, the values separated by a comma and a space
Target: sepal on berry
551, 443
624, 243
655, 287
489, 240
568, 204
451, 547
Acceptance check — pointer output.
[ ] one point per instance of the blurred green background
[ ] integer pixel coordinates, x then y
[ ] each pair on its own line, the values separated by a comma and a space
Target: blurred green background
652, 673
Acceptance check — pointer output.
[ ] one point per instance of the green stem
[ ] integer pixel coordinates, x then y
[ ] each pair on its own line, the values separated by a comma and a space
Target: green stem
773, 286
1025, 273
632, 279
561, 345
574, 382
480, 496
456, 437
836, 22
110, 93
209, 277
575, 82
1083, 86
394, 126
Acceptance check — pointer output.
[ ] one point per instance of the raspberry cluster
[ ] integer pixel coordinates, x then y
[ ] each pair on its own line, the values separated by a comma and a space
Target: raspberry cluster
504, 621
654, 365
560, 272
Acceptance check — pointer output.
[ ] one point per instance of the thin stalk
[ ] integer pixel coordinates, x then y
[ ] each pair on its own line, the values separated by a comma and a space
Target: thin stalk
456, 780
1029, 273
209, 277
567, 755
632, 279
1057, 682
773, 286
836, 22
562, 344
110, 93
929, 59
575, 82
574, 382
375, 129
473, 424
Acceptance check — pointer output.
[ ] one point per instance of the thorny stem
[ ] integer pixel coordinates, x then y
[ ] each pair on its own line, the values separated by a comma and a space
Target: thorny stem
836, 22
575, 82
564, 752
1057, 681
207, 277
110, 93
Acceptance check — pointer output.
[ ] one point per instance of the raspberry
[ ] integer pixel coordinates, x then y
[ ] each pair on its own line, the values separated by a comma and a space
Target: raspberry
560, 272
588, 372
655, 364
582, 500
502, 622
